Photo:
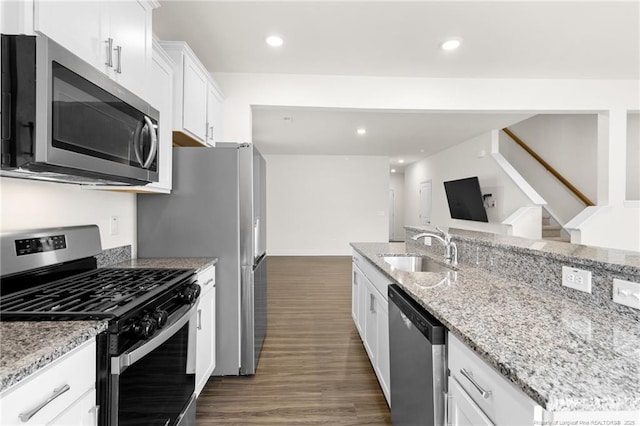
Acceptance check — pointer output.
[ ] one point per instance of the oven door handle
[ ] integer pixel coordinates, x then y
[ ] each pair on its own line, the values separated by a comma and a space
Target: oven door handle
181, 317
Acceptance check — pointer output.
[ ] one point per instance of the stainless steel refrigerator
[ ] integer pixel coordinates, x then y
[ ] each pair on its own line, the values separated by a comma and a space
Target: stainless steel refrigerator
217, 208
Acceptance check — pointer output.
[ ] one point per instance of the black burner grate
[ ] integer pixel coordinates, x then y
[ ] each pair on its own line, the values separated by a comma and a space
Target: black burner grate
100, 293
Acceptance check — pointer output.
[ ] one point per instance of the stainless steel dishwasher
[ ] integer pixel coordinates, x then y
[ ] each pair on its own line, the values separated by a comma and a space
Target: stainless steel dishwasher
417, 362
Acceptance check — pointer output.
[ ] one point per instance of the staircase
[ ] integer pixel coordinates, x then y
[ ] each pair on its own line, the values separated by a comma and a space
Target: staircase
551, 230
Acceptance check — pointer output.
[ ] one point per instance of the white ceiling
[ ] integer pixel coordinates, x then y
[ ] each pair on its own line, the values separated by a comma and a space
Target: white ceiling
406, 135
501, 39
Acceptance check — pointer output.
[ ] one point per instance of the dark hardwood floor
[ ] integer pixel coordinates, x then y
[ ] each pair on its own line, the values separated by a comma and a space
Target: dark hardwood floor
313, 369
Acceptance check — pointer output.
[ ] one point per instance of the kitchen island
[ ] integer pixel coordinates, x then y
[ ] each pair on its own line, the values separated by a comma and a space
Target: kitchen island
565, 355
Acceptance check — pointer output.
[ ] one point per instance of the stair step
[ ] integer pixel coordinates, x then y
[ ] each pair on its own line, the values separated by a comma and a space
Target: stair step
546, 220
561, 239
552, 227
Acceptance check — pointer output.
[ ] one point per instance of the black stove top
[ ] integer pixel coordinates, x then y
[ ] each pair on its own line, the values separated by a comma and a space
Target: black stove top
96, 294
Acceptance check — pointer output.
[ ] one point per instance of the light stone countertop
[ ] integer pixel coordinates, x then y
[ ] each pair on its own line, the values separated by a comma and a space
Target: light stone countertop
197, 263
26, 347
565, 356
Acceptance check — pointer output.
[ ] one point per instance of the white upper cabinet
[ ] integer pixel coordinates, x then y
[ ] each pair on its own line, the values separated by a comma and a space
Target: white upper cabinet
113, 36
214, 115
197, 101
75, 25
128, 25
194, 100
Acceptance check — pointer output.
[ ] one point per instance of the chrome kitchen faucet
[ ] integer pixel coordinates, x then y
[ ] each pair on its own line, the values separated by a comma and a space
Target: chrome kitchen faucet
450, 248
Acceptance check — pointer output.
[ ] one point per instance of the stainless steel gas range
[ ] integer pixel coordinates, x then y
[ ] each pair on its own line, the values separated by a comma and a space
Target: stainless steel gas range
146, 358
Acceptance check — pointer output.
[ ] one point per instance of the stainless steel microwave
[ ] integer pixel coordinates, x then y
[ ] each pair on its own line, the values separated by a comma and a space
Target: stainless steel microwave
64, 120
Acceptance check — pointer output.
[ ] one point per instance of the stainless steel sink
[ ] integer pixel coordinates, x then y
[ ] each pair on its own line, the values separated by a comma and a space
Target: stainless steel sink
413, 263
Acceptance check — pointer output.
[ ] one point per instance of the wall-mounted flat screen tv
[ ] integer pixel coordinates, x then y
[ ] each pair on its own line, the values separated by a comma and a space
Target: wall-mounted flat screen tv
465, 199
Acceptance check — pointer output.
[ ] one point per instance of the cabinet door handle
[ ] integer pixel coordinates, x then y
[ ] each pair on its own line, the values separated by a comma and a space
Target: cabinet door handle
467, 374
355, 278
199, 319
109, 62
25, 417
372, 299
208, 282
95, 410
118, 50
211, 133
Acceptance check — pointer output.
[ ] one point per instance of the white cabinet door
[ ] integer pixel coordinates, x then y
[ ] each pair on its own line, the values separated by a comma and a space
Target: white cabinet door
214, 115
112, 35
83, 412
129, 25
371, 322
206, 329
194, 108
355, 296
382, 355
75, 25
462, 410
53, 390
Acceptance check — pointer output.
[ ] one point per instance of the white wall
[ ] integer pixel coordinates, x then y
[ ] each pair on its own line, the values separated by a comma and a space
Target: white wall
396, 184
568, 142
461, 161
29, 204
609, 226
633, 156
317, 205
242, 90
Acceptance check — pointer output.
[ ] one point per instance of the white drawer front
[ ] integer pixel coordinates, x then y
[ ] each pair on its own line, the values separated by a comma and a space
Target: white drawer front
379, 280
77, 369
505, 404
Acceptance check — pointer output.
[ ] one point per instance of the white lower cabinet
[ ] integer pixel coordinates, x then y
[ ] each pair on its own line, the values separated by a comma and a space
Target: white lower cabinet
206, 326
493, 395
370, 312
479, 395
62, 393
462, 410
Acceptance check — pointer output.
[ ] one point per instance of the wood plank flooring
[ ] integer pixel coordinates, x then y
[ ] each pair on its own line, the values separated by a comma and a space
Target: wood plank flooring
313, 369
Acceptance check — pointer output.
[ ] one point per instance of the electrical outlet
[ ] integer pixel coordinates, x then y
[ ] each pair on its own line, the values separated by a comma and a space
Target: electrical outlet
427, 241
113, 224
626, 293
577, 279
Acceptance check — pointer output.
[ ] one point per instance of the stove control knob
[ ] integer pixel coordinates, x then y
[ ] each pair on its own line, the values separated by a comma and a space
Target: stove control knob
190, 293
161, 316
145, 327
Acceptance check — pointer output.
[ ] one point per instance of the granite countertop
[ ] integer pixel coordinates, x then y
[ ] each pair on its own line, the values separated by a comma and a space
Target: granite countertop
588, 255
25, 347
197, 263
565, 356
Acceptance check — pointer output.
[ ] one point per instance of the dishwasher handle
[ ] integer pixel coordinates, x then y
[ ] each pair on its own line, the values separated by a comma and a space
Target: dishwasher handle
427, 324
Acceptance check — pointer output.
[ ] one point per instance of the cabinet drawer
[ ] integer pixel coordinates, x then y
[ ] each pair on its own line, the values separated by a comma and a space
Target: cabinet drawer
77, 369
207, 278
505, 404
379, 280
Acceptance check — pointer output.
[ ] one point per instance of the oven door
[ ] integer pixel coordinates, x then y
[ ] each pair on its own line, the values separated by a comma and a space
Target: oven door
153, 383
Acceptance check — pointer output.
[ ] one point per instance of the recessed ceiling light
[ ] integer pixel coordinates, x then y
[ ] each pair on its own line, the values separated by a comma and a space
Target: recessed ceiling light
393, 170
274, 41
451, 44
401, 161
361, 131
